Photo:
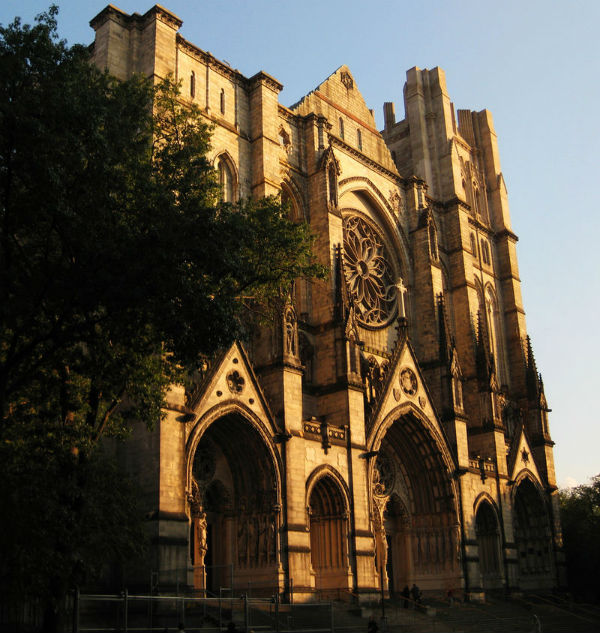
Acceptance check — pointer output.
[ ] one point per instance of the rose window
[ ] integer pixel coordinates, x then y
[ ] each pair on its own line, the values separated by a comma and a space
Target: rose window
368, 273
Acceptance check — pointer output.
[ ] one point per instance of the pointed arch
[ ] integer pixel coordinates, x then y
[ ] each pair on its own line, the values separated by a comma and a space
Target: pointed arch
418, 466
375, 203
327, 503
228, 177
488, 533
292, 194
234, 499
494, 331
532, 530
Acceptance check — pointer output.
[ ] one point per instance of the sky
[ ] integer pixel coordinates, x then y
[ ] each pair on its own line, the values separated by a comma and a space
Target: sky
535, 64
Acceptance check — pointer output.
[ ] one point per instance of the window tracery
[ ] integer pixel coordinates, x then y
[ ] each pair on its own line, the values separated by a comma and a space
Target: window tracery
368, 273
226, 179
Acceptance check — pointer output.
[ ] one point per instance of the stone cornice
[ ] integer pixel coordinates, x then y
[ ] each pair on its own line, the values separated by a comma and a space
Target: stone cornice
164, 15
136, 20
208, 59
287, 165
509, 277
286, 113
264, 79
459, 140
507, 233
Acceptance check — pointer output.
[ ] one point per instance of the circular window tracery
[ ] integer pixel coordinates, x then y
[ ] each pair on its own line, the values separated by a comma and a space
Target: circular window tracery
368, 273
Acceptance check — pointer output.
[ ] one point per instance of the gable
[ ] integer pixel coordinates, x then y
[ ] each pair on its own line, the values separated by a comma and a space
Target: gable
522, 459
405, 391
232, 383
337, 96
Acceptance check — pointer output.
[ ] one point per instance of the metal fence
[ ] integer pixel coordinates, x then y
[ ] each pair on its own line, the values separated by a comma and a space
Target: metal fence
145, 613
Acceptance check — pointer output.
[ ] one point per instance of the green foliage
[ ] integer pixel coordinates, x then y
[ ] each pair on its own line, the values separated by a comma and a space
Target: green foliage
119, 270
119, 265
67, 514
580, 517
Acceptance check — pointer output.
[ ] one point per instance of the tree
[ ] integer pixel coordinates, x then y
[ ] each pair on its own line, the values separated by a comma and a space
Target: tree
580, 517
119, 270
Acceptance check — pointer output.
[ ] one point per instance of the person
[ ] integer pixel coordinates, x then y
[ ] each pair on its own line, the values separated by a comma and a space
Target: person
406, 595
415, 592
372, 626
450, 597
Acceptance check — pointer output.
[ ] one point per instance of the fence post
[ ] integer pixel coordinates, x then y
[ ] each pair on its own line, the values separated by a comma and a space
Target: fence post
246, 614
331, 615
76, 610
125, 596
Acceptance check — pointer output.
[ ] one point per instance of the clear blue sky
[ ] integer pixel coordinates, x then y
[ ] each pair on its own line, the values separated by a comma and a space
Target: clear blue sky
534, 63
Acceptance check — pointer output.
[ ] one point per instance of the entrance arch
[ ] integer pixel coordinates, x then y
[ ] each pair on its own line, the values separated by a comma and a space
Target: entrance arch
234, 508
488, 540
414, 504
532, 536
328, 517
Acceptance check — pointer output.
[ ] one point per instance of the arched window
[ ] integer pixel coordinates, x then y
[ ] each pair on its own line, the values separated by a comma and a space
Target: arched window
226, 179
359, 139
433, 242
328, 533
341, 128
488, 540
222, 101
473, 244
476, 200
333, 184
485, 252
193, 85
494, 332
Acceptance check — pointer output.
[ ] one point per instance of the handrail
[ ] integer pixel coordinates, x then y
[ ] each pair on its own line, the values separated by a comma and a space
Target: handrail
561, 608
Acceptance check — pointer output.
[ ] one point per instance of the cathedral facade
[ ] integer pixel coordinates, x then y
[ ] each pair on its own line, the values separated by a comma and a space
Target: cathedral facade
392, 428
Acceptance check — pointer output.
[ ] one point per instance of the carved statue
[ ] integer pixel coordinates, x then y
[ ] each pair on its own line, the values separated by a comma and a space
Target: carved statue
291, 333
201, 530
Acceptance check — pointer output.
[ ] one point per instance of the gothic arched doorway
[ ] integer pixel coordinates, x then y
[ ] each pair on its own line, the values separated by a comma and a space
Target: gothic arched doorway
328, 535
234, 509
532, 536
415, 520
488, 540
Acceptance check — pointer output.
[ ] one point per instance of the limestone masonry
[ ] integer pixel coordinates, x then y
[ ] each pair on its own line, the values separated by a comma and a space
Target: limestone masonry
393, 429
